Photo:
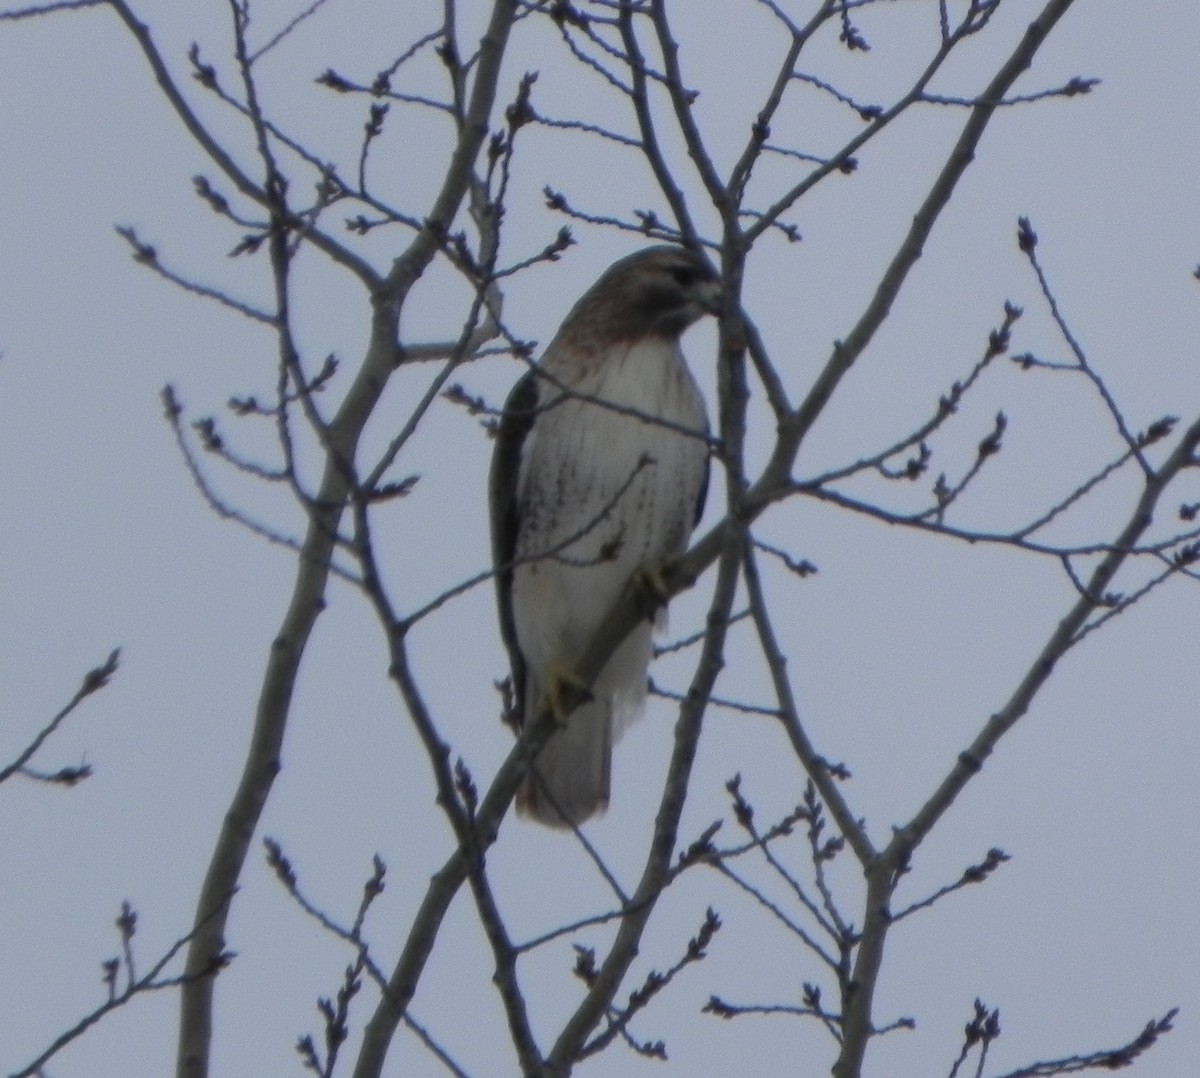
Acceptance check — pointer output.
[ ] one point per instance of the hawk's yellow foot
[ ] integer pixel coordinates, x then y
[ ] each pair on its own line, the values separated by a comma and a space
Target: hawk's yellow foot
564, 690
651, 588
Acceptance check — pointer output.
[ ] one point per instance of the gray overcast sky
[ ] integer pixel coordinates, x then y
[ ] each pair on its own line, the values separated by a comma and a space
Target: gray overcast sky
900, 646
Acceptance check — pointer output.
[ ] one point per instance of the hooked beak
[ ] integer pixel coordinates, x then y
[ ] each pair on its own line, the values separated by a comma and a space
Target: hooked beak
708, 296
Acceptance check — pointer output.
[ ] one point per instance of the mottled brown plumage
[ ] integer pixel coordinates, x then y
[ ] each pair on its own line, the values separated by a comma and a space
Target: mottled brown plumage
583, 496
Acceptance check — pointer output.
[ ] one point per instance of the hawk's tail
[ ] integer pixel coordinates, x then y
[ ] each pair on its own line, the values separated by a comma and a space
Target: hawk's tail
569, 780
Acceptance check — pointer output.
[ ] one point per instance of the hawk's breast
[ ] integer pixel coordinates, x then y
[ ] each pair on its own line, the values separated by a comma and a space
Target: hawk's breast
604, 491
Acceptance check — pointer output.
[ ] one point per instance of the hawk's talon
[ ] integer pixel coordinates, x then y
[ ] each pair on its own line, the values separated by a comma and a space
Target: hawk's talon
564, 691
652, 591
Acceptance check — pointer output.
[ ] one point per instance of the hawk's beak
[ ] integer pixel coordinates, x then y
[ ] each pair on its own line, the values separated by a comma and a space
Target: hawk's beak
708, 296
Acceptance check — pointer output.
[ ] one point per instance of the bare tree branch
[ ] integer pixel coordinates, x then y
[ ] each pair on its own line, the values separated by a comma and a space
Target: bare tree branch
151, 981
93, 681
262, 762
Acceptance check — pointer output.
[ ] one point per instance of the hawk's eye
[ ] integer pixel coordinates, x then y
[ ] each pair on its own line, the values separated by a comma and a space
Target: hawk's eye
685, 276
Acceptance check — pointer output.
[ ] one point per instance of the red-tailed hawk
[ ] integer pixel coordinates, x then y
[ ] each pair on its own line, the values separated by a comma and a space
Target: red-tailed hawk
599, 472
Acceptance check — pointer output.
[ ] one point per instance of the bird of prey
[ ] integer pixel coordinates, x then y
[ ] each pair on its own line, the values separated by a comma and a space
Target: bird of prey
599, 473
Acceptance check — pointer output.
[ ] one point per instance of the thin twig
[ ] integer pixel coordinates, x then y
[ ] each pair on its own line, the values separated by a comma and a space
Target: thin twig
94, 680
151, 981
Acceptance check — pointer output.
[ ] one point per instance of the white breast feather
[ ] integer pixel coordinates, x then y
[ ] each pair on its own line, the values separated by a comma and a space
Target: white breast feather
587, 496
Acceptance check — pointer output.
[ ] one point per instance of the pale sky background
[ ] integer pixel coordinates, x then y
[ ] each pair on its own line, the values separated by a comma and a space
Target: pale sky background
900, 646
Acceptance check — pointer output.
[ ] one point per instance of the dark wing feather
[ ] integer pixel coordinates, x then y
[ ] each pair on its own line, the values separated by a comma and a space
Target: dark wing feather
515, 424
703, 495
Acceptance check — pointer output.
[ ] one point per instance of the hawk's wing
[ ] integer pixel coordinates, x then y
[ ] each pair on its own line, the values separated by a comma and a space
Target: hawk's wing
504, 503
702, 498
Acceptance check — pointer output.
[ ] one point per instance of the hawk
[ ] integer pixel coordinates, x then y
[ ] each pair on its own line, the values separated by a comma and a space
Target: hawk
599, 473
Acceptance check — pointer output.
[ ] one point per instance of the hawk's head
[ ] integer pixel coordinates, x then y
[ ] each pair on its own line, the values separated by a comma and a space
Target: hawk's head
657, 292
